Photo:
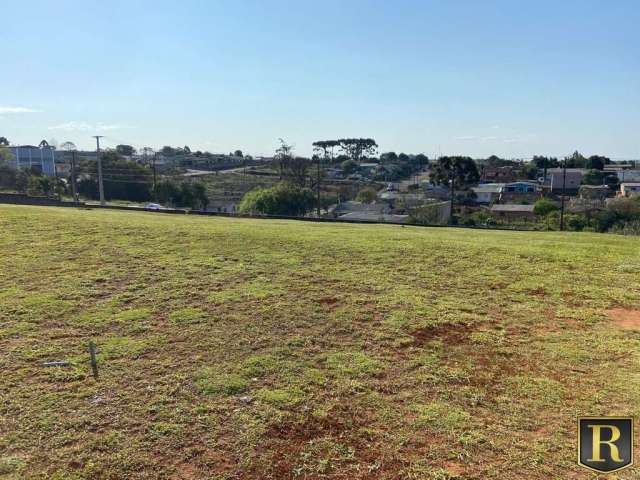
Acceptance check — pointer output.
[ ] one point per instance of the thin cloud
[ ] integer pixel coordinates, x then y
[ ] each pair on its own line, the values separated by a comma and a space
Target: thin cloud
4, 110
86, 127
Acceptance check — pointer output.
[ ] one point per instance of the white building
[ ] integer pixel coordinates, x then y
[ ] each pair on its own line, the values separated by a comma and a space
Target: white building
629, 188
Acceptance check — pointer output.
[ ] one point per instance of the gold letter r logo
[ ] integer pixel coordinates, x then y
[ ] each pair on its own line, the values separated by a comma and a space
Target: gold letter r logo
598, 442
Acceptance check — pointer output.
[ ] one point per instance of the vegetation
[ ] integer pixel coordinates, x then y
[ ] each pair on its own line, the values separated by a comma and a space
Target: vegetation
462, 170
184, 194
367, 195
245, 348
122, 179
282, 199
544, 206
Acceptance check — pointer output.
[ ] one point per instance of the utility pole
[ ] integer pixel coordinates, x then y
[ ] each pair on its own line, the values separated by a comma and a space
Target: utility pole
318, 187
155, 194
74, 189
564, 185
452, 182
100, 185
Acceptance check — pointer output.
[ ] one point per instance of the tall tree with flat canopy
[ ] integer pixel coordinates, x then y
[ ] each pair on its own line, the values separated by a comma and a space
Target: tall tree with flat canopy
462, 170
357, 148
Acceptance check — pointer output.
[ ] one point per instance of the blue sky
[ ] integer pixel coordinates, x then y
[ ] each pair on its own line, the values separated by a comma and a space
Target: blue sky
472, 77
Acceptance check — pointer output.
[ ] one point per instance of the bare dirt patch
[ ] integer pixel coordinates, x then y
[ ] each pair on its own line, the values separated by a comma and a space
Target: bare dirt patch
624, 318
448, 332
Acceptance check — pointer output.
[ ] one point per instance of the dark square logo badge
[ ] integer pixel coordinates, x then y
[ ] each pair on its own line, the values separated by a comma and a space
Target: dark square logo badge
605, 444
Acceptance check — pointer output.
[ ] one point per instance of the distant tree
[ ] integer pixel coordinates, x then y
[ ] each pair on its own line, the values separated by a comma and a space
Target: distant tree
576, 160
597, 162
168, 192
357, 148
403, 157
495, 161
367, 195
463, 170
22, 181
388, 157
123, 179
168, 151
68, 146
283, 154
542, 162
200, 196
291, 169
237, 153
4, 141
46, 186
296, 170
421, 160
5, 155
593, 177
544, 206
186, 149
7, 176
349, 167
325, 147
125, 150
282, 199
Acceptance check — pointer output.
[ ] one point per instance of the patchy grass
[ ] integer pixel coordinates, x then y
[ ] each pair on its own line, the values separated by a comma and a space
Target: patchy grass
234, 348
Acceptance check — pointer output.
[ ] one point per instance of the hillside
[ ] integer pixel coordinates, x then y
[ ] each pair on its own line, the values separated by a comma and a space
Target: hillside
234, 348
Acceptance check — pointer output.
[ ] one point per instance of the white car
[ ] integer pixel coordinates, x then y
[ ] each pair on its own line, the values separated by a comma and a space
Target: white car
153, 206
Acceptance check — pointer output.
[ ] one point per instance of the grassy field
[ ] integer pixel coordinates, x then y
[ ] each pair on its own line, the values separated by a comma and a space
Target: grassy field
235, 348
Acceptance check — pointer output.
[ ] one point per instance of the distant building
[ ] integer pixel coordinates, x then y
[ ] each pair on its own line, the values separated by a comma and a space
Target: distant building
503, 174
351, 206
556, 179
628, 189
41, 159
488, 193
630, 175
593, 192
374, 217
513, 212
519, 192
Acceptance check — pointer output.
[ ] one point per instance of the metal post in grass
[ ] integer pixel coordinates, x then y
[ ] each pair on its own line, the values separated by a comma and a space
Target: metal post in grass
564, 185
452, 184
94, 360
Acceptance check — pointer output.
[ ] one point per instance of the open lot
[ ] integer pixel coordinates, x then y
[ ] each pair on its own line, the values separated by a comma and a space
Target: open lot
236, 348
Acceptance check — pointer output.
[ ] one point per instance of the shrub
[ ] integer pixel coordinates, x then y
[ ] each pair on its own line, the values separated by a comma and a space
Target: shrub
283, 199
544, 206
367, 195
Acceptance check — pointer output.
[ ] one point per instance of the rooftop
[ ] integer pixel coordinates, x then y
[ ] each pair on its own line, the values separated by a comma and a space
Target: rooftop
512, 208
489, 188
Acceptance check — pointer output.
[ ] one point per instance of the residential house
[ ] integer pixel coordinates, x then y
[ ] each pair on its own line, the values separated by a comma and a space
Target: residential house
593, 192
487, 193
628, 189
520, 191
571, 180
628, 175
500, 174
513, 212
399, 201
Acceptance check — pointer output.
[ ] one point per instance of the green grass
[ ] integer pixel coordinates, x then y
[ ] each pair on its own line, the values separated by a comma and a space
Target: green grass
238, 348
